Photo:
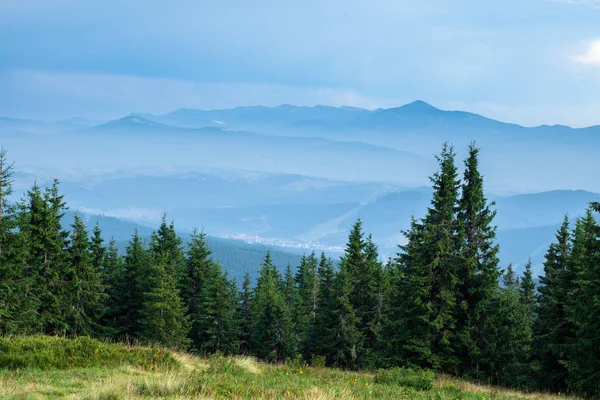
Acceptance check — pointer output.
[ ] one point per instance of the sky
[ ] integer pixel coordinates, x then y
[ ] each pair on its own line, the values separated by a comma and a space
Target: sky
526, 61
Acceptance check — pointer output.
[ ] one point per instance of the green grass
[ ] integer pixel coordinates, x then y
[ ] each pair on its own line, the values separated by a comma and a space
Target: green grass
50, 352
189, 377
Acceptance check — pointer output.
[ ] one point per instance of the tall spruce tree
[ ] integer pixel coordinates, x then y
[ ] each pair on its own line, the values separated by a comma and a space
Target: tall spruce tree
113, 280
17, 302
362, 274
47, 261
133, 286
197, 271
479, 274
164, 314
513, 335
307, 291
551, 329
219, 329
346, 337
272, 335
244, 316
373, 315
583, 308
85, 289
295, 305
166, 245
429, 278
323, 329
98, 250
528, 292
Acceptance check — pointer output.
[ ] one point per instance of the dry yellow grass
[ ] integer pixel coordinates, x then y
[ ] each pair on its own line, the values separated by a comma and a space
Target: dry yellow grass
240, 377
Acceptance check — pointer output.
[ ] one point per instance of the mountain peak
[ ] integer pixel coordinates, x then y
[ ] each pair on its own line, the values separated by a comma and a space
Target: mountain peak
419, 105
132, 121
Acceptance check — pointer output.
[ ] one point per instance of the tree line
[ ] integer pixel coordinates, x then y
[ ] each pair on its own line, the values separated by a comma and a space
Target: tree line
443, 303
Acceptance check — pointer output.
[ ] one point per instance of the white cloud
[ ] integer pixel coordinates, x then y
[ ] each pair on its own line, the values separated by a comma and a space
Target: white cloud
591, 3
591, 56
55, 95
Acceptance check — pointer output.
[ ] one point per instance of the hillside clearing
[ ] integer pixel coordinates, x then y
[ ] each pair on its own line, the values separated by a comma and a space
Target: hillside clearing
219, 377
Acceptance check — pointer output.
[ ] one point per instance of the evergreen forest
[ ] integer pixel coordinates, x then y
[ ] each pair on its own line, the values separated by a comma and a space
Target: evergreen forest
443, 303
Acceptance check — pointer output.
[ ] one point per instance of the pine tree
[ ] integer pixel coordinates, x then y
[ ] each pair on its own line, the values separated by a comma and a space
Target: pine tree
166, 245
479, 274
528, 293
323, 329
583, 308
428, 278
551, 328
47, 261
164, 314
244, 315
85, 289
296, 307
134, 285
17, 303
306, 302
113, 280
219, 329
98, 250
513, 335
197, 270
272, 335
372, 315
346, 337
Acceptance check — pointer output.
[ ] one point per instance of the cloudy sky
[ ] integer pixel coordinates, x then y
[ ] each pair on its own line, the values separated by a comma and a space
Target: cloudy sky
526, 61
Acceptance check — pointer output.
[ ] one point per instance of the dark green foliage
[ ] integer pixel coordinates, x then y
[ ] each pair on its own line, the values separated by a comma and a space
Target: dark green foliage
325, 319
295, 305
17, 303
511, 343
85, 290
113, 282
345, 339
97, 249
164, 316
305, 302
272, 335
50, 352
45, 245
527, 289
583, 308
428, 279
132, 288
479, 273
551, 328
438, 305
219, 329
244, 316
193, 284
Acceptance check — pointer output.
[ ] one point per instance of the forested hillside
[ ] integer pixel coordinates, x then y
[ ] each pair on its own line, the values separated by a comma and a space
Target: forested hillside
443, 303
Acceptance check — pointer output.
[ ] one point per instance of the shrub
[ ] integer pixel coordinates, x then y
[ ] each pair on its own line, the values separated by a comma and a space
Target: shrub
414, 378
317, 362
223, 365
296, 362
51, 352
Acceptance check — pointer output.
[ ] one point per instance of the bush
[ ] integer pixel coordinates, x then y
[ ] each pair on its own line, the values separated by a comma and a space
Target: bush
296, 362
414, 378
51, 352
223, 365
317, 362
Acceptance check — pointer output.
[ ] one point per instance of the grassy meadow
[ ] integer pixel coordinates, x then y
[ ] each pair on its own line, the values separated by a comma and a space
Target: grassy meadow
40, 368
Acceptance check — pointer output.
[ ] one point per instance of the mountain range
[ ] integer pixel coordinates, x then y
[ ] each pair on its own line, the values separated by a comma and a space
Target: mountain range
299, 176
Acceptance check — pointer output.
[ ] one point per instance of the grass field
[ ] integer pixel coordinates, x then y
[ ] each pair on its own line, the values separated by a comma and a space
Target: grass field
218, 377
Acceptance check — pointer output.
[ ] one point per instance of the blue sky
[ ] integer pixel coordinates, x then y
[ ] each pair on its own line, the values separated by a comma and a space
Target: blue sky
525, 61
